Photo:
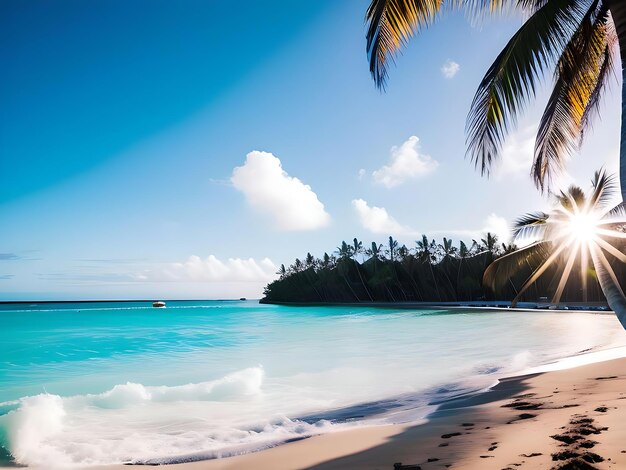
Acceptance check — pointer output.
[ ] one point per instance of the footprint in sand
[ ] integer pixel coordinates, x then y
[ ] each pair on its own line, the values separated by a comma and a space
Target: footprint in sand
452, 434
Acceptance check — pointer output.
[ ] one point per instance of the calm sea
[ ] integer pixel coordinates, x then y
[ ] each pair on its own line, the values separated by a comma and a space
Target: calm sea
97, 383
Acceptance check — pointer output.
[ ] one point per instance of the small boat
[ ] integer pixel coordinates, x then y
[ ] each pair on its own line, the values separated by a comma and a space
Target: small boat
158, 304
242, 298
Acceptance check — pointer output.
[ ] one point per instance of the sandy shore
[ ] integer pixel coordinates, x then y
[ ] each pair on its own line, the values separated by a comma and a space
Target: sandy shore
560, 419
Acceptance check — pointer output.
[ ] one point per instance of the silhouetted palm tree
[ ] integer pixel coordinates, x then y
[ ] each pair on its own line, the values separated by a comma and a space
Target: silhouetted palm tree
282, 271
426, 253
426, 250
344, 251
490, 244
309, 261
392, 246
580, 227
446, 249
376, 251
578, 39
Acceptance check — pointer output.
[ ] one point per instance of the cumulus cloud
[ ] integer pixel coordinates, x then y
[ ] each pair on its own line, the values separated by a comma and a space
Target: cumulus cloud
450, 68
212, 269
517, 152
499, 226
270, 190
494, 224
377, 219
407, 162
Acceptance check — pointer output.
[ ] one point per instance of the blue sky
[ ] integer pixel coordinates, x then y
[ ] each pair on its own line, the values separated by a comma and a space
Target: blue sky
123, 124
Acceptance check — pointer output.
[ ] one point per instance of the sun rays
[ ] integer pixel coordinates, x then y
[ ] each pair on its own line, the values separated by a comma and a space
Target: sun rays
580, 229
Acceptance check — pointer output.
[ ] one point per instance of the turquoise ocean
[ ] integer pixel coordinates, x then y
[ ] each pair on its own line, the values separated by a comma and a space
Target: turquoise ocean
97, 383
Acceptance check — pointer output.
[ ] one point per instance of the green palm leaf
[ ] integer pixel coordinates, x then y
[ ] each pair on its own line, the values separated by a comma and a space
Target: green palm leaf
580, 76
512, 78
390, 25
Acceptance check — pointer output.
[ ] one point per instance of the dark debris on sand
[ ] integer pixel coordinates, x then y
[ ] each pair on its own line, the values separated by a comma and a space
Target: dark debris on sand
449, 435
575, 453
399, 466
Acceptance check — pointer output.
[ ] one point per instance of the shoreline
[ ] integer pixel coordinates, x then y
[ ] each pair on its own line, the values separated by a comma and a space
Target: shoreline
585, 307
508, 426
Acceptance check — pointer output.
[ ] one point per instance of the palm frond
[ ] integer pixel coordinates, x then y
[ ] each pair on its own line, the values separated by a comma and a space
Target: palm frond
606, 71
579, 79
512, 78
390, 25
617, 213
604, 189
501, 270
532, 224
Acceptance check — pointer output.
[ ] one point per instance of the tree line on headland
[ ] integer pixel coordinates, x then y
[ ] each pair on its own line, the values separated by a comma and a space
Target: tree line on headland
428, 272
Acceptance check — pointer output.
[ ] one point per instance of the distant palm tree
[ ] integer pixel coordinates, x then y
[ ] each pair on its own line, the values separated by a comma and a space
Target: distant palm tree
426, 250
376, 251
357, 247
580, 227
447, 250
282, 271
309, 261
578, 39
510, 248
391, 248
296, 266
327, 261
344, 251
490, 244
403, 252
426, 253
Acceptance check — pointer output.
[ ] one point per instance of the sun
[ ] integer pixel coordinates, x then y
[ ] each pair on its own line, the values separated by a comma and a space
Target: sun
583, 227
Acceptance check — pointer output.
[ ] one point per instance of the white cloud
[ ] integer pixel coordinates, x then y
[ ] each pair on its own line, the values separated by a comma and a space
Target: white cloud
406, 163
212, 269
269, 189
517, 152
450, 68
493, 223
377, 219
499, 226
361, 174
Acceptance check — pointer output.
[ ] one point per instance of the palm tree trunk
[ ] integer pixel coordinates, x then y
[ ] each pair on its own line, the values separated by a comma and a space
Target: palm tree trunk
611, 289
618, 12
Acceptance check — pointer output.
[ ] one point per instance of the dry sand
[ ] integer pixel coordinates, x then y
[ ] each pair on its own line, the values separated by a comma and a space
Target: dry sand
569, 419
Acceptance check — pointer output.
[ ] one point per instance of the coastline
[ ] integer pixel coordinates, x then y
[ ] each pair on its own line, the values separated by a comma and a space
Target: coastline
586, 307
571, 415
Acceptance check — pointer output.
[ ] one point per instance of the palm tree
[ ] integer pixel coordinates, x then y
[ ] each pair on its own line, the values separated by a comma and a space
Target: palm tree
309, 261
489, 244
510, 248
426, 250
344, 251
426, 253
403, 252
447, 250
376, 251
282, 271
580, 227
357, 247
577, 39
327, 261
392, 248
